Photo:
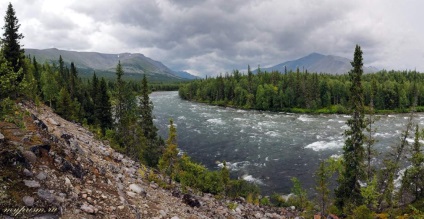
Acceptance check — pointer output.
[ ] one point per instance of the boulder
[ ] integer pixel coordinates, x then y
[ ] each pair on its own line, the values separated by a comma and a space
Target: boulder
30, 156
45, 195
136, 188
53, 122
28, 200
32, 183
41, 176
191, 201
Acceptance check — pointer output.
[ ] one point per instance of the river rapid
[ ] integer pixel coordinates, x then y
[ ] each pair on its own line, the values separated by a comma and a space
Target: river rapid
266, 148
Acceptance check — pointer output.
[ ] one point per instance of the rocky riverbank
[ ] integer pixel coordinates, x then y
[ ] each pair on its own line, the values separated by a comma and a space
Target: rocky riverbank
53, 168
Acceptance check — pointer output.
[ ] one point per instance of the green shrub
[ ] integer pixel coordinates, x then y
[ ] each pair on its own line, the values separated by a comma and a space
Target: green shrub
265, 201
362, 212
241, 188
278, 201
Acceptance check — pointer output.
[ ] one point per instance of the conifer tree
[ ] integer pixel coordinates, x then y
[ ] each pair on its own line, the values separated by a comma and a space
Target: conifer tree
12, 50
146, 108
414, 176
64, 105
349, 191
153, 150
103, 108
169, 160
120, 86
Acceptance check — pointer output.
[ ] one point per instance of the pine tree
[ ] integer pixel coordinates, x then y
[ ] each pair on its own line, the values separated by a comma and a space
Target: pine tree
12, 50
146, 108
64, 105
169, 160
102, 109
153, 150
349, 191
120, 86
73, 79
414, 176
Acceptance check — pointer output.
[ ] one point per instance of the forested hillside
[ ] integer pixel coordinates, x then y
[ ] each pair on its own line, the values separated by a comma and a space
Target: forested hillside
307, 92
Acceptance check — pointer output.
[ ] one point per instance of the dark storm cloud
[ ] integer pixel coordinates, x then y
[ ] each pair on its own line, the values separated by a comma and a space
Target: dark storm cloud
216, 36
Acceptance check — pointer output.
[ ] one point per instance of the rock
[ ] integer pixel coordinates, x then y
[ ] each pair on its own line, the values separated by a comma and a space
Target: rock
191, 201
53, 122
2, 139
130, 171
30, 156
238, 210
32, 183
136, 188
292, 208
41, 124
87, 208
153, 186
27, 172
162, 213
38, 150
28, 200
66, 136
175, 217
131, 194
68, 182
59, 199
121, 207
41, 176
117, 157
45, 195
258, 215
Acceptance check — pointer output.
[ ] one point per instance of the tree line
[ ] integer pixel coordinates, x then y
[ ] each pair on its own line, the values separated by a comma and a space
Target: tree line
386, 91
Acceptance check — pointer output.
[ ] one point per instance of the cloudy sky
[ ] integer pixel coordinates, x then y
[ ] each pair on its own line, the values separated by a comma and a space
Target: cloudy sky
216, 36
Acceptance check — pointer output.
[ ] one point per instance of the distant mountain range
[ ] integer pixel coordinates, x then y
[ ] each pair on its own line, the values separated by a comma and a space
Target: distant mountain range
135, 65
319, 63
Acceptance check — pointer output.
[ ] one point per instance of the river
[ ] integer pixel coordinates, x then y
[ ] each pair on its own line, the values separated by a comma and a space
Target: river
266, 148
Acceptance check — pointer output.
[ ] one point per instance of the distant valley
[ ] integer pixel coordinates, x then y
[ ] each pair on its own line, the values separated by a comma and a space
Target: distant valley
135, 65
319, 63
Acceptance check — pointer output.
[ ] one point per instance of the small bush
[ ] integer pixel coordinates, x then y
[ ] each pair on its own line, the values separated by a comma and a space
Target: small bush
241, 188
265, 201
363, 212
278, 201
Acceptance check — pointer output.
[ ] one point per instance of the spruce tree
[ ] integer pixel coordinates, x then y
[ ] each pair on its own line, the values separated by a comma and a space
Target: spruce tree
146, 108
153, 150
120, 86
348, 194
12, 50
64, 105
103, 108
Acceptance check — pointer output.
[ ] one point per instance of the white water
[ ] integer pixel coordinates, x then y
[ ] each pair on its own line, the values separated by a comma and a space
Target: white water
263, 147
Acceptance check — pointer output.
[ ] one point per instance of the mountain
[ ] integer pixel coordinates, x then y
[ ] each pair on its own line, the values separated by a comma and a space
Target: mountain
134, 64
184, 74
316, 62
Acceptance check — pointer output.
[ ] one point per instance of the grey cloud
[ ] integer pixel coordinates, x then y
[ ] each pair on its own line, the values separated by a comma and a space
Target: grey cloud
216, 36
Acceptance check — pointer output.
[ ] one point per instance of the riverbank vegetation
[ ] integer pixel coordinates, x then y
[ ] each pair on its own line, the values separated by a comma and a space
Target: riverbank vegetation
305, 92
